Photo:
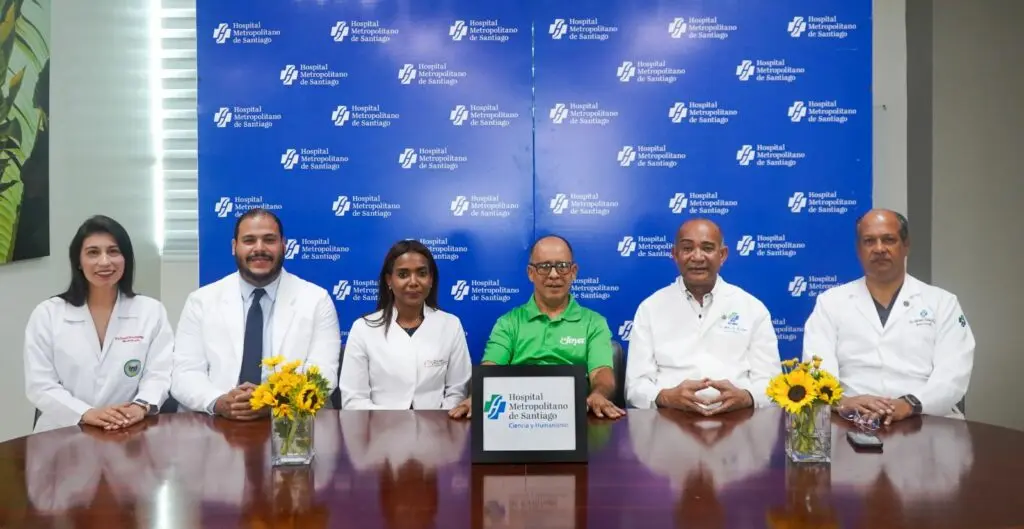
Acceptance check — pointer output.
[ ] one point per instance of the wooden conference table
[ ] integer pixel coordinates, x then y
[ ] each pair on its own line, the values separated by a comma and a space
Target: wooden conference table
406, 469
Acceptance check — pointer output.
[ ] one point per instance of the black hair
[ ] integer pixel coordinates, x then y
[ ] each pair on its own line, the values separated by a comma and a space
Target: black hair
550, 236
904, 225
78, 291
256, 212
385, 297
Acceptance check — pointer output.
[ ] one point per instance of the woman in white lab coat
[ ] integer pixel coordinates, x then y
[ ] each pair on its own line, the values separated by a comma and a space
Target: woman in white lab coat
408, 353
98, 353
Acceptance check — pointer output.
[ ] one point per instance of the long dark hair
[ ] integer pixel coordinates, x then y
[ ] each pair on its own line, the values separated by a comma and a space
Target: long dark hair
385, 297
78, 290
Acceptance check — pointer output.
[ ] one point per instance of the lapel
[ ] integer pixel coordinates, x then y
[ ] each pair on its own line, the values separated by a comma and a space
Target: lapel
398, 338
907, 299
233, 317
283, 312
83, 318
124, 309
865, 305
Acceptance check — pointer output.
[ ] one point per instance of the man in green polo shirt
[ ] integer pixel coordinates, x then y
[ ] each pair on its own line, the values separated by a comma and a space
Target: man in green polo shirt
553, 329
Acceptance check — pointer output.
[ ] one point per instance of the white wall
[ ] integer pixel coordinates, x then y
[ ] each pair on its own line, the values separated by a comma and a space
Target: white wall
101, 158
889, 87
977, 191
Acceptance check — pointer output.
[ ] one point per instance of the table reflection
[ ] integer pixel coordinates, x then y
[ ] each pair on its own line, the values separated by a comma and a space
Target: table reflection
552, 496
407, 450
411, 469
703, 457
708, 451
228, 463
919, 462
65, 471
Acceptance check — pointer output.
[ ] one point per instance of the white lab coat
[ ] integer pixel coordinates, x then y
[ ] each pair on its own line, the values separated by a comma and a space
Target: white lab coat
67, 372
428, 370
734, 340
925, 349
208, 346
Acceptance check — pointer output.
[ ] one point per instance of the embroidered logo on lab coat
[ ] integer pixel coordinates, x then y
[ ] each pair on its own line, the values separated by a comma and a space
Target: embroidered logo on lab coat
733, 323
132, 368
435, 363
923, 318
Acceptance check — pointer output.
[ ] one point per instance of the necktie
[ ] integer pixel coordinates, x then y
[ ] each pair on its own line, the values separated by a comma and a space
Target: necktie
252, 347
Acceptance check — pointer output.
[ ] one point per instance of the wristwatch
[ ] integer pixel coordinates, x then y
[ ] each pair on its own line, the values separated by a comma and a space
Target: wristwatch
150, 409
915, 404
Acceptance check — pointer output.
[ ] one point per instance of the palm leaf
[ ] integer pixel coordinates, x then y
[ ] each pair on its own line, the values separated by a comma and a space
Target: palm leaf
10, 200
35, 41
8, 24
24, 54
12, 93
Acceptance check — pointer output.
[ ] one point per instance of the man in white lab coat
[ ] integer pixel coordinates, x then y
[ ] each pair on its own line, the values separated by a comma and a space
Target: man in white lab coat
900, 347
228, 327
701, 344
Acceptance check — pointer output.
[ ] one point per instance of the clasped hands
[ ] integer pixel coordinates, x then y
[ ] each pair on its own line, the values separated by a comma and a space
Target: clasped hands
235, 404
684, 397
870, 407
115, 417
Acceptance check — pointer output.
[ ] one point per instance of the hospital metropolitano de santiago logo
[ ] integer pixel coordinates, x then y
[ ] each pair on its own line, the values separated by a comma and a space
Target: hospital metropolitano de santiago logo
495, 406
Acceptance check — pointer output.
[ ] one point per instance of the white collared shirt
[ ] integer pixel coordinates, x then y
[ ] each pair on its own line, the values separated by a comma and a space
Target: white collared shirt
925, 349
731, 337
428, 370
266, 303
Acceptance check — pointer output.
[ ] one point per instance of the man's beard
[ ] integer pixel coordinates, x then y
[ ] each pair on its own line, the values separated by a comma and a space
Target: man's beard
259, 279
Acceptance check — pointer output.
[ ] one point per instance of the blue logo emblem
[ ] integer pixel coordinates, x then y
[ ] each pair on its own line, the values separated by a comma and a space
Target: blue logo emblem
494, 407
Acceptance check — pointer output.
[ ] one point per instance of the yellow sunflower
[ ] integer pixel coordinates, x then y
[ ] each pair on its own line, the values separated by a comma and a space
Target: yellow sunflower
802, 390
261, 397
777, 388
273, 361
284, 382
313, 371
283, 411
309, 399
829, 389
290, 367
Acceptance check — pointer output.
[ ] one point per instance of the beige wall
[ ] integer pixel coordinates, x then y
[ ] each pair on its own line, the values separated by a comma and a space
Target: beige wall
978, 192
101, 155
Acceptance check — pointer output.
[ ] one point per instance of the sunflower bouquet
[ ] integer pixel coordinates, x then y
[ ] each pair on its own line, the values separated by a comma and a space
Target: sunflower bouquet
294, 393
806, 393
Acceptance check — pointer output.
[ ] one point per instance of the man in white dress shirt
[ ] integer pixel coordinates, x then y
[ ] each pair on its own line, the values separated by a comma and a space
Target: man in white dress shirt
899, 347
700, 344
228, 327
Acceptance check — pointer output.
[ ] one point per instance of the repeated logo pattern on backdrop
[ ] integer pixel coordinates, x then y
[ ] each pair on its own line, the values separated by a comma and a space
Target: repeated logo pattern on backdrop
476, 127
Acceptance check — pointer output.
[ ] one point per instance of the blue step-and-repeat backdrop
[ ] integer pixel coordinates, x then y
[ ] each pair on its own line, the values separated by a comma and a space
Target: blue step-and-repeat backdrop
477, 126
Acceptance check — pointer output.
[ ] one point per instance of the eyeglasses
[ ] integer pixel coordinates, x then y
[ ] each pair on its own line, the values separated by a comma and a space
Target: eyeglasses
563, 267
865, 422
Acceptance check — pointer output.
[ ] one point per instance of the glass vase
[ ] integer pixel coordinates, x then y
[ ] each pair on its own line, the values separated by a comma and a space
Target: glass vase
291, 441
809, 434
